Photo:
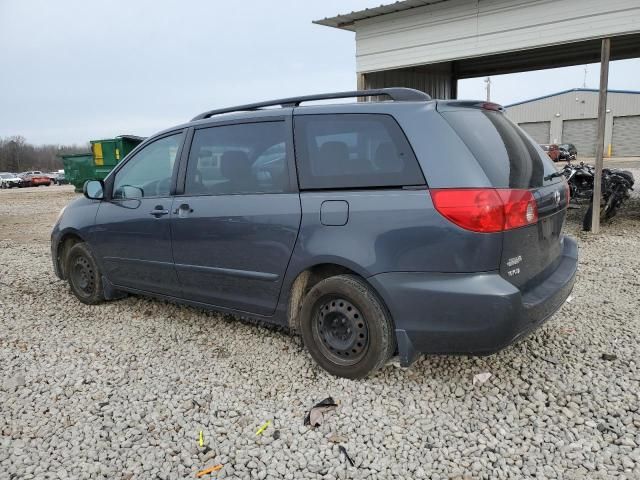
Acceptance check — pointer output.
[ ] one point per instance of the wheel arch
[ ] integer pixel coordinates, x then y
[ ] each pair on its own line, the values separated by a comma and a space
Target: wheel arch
310, 276
67, 240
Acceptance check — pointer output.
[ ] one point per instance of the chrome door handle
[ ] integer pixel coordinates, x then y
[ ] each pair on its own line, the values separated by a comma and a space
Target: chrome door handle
158, 212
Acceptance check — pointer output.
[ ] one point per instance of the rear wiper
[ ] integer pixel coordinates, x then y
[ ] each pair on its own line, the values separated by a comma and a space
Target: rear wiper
553, 175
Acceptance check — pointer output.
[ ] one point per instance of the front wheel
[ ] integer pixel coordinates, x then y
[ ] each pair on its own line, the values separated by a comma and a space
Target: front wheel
84, 275
346, 327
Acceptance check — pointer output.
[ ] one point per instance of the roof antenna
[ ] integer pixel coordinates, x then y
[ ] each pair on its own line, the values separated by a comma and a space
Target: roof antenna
488, 87
584, 83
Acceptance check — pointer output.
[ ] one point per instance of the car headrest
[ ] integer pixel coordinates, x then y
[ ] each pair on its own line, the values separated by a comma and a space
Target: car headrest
235, 165
387, 159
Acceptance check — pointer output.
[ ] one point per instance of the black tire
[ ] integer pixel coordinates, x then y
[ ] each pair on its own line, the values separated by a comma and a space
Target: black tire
606, 213
346, 327
610, 208
84, 275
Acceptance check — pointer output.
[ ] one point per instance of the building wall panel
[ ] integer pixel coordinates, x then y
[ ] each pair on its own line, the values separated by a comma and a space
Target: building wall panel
436, 81
458, 29
574, 104
581, 105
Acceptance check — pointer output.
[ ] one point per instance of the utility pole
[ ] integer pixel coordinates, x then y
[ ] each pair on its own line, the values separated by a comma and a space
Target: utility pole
584, 82
488, 82
602, 109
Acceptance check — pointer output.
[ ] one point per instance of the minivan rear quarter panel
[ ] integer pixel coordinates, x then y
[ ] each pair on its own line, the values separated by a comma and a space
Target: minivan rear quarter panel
390, 230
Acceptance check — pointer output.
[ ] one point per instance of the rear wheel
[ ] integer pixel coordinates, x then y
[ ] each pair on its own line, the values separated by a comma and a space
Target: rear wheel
607, 211
346, 327
84, 275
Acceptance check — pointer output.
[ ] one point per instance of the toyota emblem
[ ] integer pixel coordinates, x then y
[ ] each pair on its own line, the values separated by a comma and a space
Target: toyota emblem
556, 198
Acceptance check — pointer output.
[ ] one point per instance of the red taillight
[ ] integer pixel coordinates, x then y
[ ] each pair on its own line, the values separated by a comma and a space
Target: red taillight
486, 209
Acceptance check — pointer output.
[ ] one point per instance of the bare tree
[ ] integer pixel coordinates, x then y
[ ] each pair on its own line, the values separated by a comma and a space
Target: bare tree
16, 155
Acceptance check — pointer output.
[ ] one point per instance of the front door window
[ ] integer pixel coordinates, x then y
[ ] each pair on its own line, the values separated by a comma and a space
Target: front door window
148, 173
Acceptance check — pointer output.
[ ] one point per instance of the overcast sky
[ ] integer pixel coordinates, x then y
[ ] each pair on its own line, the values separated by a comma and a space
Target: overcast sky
74, 70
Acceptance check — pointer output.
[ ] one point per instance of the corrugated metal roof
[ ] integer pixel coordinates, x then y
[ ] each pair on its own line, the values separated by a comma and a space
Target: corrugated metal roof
346, 21
570, 90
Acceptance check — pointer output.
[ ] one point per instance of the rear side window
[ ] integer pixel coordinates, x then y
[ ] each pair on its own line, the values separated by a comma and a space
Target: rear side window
508, 156
353, 151
242, 158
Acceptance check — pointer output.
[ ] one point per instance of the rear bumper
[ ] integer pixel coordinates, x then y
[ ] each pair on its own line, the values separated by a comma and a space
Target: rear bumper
478, 313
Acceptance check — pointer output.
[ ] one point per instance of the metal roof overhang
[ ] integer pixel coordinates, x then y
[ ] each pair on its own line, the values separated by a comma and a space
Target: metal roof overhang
347, 20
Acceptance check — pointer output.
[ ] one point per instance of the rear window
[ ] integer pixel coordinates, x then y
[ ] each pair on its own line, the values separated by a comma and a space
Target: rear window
508, 156
353, 151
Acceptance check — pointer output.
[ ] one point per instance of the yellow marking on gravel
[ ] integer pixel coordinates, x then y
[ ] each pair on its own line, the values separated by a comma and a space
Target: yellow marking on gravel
263, 427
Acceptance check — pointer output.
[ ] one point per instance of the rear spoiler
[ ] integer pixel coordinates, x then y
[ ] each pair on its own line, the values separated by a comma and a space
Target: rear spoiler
451, 105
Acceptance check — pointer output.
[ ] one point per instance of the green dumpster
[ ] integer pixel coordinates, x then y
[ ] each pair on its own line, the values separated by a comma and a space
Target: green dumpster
108, 152
78, 168
105, 154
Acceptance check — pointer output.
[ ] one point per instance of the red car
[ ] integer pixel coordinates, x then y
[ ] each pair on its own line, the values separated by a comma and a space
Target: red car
552, 150
35, 179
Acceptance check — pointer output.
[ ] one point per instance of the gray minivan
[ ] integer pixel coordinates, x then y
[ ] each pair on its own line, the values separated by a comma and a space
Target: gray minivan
400, 226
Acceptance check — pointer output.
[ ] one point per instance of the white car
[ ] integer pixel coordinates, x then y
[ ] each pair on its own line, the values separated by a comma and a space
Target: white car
10, 180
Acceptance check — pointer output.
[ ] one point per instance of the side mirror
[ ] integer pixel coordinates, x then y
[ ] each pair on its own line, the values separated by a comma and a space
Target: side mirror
93, 189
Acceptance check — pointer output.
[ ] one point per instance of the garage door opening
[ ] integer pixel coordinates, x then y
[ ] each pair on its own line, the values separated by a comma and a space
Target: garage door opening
539, 131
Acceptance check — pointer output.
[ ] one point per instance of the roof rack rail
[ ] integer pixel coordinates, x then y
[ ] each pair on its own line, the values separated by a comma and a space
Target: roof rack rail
396, 94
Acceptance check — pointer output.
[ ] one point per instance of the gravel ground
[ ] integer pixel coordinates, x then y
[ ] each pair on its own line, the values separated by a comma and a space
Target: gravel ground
122, 390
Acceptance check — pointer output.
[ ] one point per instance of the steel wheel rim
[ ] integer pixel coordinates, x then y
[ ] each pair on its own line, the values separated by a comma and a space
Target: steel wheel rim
340, 331
82, 276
